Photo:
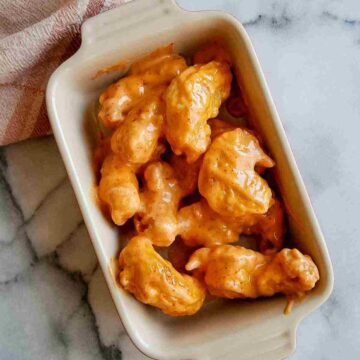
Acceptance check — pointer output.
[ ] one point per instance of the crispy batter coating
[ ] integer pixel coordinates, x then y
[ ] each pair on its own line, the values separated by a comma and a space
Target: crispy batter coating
119, 189
136, 139
236, 272
227, 177
199, 225
159, 62
165, 185
218, 127
154, 281
213, 51
157, 216
155, 69
192, 99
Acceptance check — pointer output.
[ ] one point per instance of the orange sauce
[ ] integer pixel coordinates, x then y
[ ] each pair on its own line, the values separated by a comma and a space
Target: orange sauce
119, 66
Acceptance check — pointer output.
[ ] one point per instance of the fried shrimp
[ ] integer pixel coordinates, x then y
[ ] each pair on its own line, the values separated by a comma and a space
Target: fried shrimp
157, 215
136, 139
228, 179
154, 70
199, 225
154, 281
192, 99
119, 189
236, 272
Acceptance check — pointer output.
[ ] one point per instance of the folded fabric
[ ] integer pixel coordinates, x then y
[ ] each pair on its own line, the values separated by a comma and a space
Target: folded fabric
36, 36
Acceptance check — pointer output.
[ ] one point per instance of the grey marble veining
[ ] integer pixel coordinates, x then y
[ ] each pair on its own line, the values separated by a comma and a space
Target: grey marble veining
54, 303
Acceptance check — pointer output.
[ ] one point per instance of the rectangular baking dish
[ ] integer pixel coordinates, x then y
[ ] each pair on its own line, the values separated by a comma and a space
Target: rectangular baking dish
222, 329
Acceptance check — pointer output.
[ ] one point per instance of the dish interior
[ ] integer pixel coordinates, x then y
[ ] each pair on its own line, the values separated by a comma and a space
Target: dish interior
74, 96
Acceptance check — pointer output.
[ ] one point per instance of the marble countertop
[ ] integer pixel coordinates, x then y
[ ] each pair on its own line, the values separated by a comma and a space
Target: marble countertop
54, 303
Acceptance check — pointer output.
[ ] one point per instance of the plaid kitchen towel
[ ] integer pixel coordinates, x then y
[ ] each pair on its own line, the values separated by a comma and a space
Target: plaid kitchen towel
36, 36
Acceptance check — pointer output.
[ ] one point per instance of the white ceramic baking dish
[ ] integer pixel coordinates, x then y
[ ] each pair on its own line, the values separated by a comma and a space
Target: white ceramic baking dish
222, 329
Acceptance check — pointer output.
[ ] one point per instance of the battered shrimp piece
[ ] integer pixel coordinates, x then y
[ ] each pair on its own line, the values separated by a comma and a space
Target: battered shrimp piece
192, 99
218, 127
227, 178
212, 51
136, 139
154, 281
199, 225
157, 216
154, 62
155, 69
119, 189
236, 272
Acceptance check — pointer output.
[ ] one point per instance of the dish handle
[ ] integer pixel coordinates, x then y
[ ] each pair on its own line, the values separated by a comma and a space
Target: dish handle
270, 344
130, 16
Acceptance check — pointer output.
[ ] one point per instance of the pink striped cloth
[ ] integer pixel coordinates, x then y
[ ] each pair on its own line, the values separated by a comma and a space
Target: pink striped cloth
35, 37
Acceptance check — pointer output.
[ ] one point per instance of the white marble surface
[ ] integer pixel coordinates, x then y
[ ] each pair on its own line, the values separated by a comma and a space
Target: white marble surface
54, 303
